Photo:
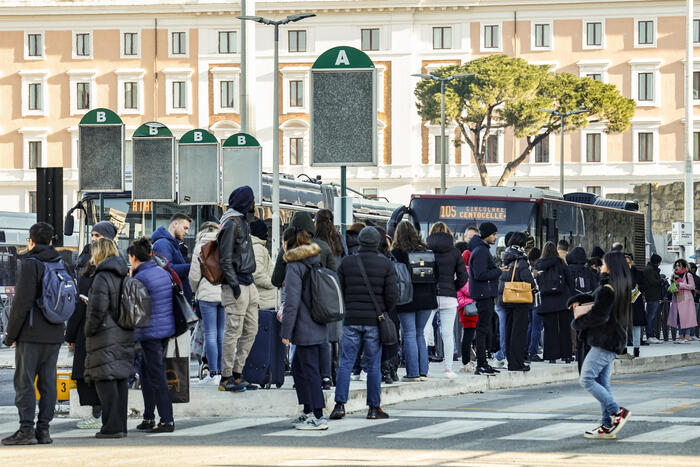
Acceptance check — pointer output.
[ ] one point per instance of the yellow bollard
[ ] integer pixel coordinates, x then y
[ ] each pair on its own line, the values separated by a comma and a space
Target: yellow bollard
64, 384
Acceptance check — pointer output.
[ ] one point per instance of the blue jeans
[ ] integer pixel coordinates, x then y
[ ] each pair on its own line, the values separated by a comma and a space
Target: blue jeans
353, 336
214, 319
595, 378
501, 312
414, 348
154, 384
534, 331
652, 308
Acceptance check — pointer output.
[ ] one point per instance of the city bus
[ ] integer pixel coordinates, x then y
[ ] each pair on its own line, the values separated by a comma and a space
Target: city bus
582, 219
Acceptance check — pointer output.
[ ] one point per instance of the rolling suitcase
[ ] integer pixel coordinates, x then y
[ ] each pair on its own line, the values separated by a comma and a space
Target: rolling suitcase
265, 363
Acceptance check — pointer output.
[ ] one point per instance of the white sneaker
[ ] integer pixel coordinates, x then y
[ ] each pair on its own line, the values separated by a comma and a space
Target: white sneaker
313, 423
449, 374
354, 377
204, 381
501, 363
215, 380
653, 340
90, 423
469, 367
695, 338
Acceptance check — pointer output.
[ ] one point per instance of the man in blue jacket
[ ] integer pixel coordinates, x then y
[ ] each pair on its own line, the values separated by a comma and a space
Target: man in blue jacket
483, 288
167, 243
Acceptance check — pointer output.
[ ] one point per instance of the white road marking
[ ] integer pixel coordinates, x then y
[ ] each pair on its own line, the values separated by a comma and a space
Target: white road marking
221, 427
552, 432
473, 414
557, 403
659, 405
335, 427
669, 434
444, 430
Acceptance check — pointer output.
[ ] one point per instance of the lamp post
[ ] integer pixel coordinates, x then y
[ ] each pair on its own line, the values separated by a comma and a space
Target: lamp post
443, 143
563, 116
275, 122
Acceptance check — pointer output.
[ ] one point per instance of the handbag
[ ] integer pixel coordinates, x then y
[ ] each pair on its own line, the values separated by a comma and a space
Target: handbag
387, 328
517, 292
422, 266
182, 311
177, 372
471, 310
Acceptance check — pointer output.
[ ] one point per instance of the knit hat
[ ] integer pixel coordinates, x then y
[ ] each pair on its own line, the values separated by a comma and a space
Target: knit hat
369, 237
241, 199
597, 252
655, 259
106, 229
486, 229
258, 229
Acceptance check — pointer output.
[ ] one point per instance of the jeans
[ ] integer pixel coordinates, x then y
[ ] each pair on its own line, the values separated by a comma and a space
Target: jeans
214, 320
368, 336
637, 336
535, 331
414, 348
448, 312
595, 378
652, 308
501, 312
154, 385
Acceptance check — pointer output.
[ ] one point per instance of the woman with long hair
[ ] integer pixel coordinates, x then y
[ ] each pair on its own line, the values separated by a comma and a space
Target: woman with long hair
682, 314
602, 328
414, 316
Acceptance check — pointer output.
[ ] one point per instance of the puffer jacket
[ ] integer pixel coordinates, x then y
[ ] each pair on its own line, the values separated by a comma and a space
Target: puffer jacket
483, 272
110, 349
452, 274
202, 288
297, 324
553, 302
263, 274
160, 288
522, 274
463, 298
235, 250
166, 245
583, 278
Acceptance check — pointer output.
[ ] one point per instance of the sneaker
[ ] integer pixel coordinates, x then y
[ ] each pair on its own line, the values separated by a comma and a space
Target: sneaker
204, 381
100, 435
535, 358
214, 380
241, 382
653, 340
484, 370
494, 370
300, 419
449, 374
680, 341
163, 427
89, 423
42, 436
326, 384
233, 385
695, 338
501, 363
410, 379
523, 369
375, 413
600, 432
338, 411
223, 382
469, 367
20, 438
146, 425
423, 378
619, 419
313, 423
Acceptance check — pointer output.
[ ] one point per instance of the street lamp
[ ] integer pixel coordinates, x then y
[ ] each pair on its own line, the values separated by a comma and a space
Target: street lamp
563, 116
275, 122
443, 143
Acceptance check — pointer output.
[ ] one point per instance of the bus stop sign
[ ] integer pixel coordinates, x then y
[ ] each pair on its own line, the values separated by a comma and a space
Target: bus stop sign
101, 161
153, 170
242, 165
198, 168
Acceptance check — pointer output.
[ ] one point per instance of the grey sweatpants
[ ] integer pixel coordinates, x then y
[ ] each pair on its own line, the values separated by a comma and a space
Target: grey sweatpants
35, 360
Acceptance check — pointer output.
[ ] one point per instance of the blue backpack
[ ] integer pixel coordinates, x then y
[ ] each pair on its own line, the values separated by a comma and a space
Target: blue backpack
58, 292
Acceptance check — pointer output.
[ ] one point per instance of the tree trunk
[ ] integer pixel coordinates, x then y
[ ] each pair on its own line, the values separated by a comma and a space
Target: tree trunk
512, 166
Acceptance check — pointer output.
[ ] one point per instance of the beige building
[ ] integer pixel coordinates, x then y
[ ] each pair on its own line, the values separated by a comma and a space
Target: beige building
178, 62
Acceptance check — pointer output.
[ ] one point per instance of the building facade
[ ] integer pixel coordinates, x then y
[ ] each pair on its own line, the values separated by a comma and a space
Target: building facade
179, 63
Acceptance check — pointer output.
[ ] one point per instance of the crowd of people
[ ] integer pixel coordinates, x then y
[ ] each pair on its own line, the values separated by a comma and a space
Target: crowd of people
520, 306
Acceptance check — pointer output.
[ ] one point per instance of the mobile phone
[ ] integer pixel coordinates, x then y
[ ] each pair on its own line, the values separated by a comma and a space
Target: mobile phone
84, 297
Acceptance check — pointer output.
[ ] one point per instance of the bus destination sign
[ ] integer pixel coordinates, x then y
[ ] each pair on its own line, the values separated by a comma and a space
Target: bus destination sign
476, 213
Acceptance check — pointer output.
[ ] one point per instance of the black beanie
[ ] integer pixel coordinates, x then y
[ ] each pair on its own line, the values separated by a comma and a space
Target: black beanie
655, 259
241, 199
369, 237
106, 229
258, 229
486, 229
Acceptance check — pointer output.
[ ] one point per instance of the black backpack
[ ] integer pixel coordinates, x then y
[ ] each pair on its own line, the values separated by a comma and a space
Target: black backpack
551, 281
327, 305
422, 265
134, 304
582, 280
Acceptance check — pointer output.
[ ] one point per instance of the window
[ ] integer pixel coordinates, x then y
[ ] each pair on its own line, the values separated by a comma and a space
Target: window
131, 95
696, 85
82, 45
82, 96
296, 93
32, 201
179, 95
595, 76
297, 41
227, 42
594, 189
131, 44
492, 149
645, 32
696, 31
35, 46
543, 36
696, 145
492, 36
296, 151
34, 154
593, 147
442, 38
370, 39
594, 34
227, 94
178, 44
542, 151
370, 192
439, 149
646, 149
35, 94
645, 91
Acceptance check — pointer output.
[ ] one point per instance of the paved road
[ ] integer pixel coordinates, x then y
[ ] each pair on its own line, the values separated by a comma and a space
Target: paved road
533, 426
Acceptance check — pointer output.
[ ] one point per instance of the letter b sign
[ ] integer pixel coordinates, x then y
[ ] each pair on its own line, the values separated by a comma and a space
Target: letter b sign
101, 117
241, 140
197, 136
153, 130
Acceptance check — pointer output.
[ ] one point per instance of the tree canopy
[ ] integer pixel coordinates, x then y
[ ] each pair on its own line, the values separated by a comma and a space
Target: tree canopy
508, 92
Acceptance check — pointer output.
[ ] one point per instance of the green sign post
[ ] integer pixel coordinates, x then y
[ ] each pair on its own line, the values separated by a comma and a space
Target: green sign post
242, 165
198, 168
153, 152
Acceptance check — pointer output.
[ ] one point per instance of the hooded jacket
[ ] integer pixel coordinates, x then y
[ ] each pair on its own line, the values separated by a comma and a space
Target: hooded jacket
297, 324
166, 245
353, 244
652, 283
160, 288
551, 303
483, 272
598, 327
110, 349
26, 322
452, 273
583, 278
201, 287
235, 251
522, 274
263, 274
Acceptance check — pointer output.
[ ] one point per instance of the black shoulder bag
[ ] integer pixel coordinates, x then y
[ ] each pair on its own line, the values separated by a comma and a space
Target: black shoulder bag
387, 329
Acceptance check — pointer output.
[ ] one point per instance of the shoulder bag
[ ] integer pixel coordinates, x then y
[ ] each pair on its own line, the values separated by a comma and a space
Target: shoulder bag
585, 308
387, 329
517, 292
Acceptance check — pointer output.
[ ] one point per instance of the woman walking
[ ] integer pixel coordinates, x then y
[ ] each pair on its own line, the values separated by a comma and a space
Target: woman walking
602, 329
109, 349
682, 314
555, 288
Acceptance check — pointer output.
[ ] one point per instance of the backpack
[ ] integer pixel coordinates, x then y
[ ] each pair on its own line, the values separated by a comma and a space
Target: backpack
422, 266
59, 292
209, 262
327, 304
134, 304
551, 281
582, 281
403, 283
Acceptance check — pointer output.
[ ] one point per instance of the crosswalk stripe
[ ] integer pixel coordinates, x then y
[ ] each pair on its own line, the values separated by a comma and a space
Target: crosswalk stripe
444, 430
558, 403
334, 427
221, 427
669, 434
661, 405
553, 432
472, 414
89, 433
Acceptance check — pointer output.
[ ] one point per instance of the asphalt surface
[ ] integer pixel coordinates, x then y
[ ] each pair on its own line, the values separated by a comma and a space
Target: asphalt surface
491, 428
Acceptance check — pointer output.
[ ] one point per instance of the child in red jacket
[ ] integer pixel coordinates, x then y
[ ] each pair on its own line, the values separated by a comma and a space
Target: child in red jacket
468, 317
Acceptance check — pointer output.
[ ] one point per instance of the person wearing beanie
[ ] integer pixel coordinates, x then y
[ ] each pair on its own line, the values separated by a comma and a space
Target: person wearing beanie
366, 270
597, 252
262, 277
483, 288
104, 229
651, 286
238, 292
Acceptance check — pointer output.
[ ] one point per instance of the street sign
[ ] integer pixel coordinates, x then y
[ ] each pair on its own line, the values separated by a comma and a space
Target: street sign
682, 234
198, 168
338, 207
153, 152
101, 161
242, 165
343, 109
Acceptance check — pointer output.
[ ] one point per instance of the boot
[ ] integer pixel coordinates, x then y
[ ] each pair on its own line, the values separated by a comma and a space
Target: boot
386, 372
636, 352
395, 362
338, 411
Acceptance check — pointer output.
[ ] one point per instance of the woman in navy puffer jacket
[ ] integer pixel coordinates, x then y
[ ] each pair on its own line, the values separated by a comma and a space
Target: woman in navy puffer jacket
154, 338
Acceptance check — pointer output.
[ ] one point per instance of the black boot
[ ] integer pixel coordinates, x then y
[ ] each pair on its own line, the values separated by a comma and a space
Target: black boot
338, 411
386, 372
395, 362
636, 352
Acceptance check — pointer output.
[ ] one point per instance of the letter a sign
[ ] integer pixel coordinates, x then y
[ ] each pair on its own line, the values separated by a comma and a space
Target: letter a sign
342, 58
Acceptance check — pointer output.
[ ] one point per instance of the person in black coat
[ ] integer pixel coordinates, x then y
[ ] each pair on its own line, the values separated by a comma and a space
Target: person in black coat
110, 349
652, 288
639, 318
518, 270
555, 288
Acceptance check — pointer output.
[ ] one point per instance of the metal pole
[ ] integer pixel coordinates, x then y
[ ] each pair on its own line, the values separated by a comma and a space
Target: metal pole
154, 218
276, 150
343, 199
443, 145
689, 196
102, 207
244, 57
561, 157
198, 223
